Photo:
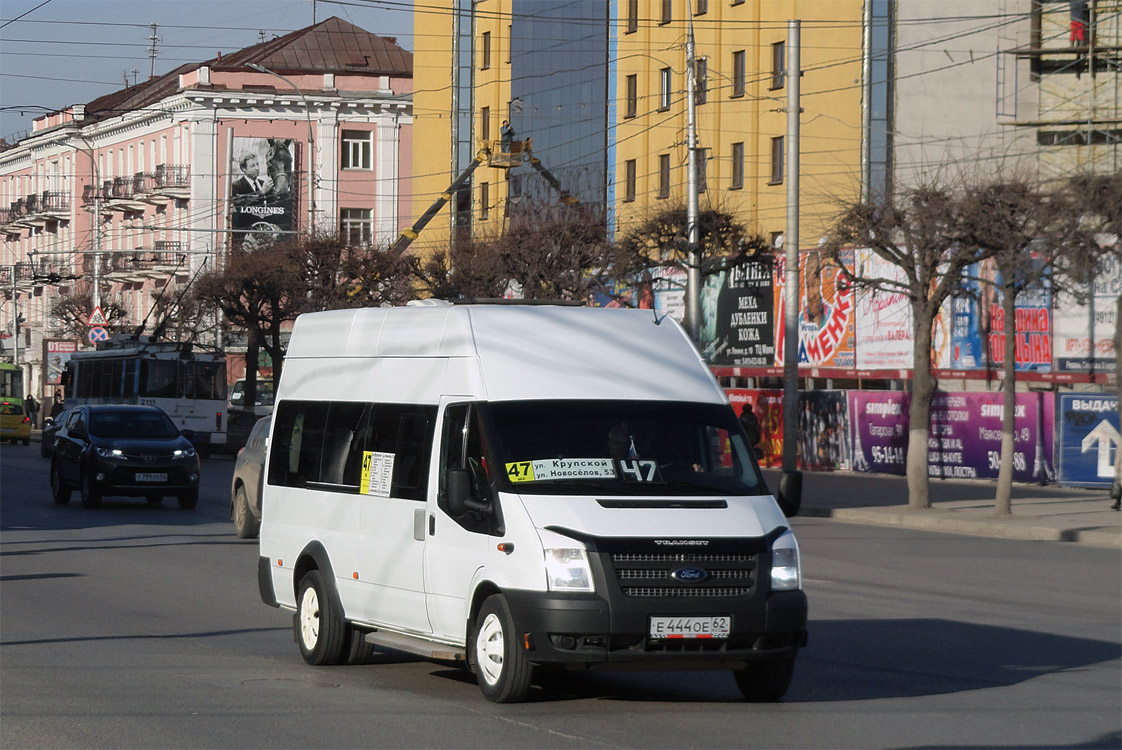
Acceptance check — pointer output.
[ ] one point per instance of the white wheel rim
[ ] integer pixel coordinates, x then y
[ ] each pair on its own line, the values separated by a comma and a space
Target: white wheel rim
489, 649
309, 618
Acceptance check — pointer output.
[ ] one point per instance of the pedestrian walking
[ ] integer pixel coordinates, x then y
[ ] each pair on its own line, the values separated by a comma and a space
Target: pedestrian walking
751, 425
31, 407
58, 406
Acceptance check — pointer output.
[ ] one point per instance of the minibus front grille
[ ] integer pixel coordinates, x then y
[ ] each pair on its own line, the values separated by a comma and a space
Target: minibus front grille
640, 573
693, 592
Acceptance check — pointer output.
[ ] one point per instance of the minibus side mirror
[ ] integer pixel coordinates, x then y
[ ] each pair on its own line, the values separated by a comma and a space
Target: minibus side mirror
458, 486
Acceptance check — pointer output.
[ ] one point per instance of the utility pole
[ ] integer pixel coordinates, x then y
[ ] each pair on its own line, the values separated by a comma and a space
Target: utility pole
155, 39
693, 256
790, 484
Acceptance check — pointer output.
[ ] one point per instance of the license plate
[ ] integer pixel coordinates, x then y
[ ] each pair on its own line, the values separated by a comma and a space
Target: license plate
150, 477
690, 627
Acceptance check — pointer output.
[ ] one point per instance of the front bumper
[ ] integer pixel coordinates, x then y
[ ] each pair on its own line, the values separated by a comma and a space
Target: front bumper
588, 629
121, 478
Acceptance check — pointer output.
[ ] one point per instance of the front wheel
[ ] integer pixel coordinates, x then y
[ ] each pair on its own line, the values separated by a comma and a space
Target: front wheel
320, 629
500, 663
59, 491
766, 681
91, 498
246, 525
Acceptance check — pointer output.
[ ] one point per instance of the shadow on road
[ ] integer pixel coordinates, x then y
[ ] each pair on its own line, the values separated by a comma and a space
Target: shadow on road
858, 660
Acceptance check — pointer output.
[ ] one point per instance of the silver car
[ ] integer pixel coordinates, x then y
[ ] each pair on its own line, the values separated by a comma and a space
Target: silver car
245, 490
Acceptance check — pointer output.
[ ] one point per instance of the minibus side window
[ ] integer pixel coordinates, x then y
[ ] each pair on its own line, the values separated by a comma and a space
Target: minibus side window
298, 435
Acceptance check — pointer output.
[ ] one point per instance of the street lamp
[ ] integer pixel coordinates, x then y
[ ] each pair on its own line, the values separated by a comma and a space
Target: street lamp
311, 142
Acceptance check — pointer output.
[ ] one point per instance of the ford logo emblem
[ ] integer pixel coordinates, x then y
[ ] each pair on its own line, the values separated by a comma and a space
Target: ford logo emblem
689, 575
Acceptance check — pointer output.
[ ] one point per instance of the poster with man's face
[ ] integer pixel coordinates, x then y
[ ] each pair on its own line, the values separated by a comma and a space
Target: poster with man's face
262, 191
56, 353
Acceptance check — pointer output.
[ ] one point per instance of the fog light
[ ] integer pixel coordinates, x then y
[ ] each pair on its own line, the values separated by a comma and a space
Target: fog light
194, 477
100, 476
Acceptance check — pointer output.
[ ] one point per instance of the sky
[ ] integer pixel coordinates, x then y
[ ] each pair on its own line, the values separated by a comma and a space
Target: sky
63, 52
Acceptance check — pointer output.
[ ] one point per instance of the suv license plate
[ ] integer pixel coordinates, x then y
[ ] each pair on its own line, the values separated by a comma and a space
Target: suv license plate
150, 477
690, 627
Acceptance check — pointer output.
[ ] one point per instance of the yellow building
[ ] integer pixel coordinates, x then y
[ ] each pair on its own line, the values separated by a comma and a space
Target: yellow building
600, 88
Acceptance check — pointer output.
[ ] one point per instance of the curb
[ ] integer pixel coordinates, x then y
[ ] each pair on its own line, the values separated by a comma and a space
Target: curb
944, 521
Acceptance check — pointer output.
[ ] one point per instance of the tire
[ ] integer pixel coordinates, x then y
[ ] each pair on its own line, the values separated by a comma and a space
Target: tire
246, 525
154, 499
26, 441
59, 491
91, 498
320, 630
766, 681
189, 499
500, 663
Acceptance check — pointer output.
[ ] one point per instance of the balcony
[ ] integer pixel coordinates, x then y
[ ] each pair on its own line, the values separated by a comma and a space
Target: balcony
173, 181
122, 194
52, 271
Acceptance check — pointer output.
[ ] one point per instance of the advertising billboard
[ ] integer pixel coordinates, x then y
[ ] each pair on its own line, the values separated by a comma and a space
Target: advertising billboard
965, 437
1090, 443
1084, 329
56, 353
883, 319
262, 191
738, 315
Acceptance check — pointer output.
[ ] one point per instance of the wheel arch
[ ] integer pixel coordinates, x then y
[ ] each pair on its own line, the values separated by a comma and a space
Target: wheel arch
314, 557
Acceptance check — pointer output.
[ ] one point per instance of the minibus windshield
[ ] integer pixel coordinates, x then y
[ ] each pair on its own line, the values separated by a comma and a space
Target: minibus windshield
623, 447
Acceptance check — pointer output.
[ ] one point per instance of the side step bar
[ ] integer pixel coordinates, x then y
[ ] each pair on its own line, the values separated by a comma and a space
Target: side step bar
419, 646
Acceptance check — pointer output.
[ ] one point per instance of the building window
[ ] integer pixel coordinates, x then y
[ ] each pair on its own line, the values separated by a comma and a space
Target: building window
485, 125
632, 96
629, 180
357, 226
485, 52
664, 82
778, 64
738, 2
701, 7
737, 166
509, 40
738, 73
484, 200
666, 12
632, 16
776, 161
702, 165
664, 175
357, 147
701, 80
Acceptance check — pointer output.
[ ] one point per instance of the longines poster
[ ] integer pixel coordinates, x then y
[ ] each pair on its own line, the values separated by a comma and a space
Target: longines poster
262, 192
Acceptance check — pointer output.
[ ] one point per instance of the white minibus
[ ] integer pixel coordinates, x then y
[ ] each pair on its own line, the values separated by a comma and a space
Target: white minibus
519, 488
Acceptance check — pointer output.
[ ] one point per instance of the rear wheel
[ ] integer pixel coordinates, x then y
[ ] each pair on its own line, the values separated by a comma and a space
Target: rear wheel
91, 498
59, 491
766, 681
320, 629
189, 499
501, 665
246, 524
26, 441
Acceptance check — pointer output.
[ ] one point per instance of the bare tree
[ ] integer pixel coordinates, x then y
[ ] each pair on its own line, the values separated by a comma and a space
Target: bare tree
546, 253
918, 232
1033, 241
70, 314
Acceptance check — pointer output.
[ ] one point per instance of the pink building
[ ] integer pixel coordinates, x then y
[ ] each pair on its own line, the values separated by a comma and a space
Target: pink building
158, 181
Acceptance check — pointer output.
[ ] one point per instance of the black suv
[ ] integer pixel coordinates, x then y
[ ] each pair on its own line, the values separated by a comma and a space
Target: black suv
123, 450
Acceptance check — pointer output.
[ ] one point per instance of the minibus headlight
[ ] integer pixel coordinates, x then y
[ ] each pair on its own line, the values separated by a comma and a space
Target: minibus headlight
785, 569
567, 569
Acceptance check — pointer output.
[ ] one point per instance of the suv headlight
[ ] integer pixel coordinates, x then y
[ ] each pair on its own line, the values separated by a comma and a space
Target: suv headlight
785, 569
108, 452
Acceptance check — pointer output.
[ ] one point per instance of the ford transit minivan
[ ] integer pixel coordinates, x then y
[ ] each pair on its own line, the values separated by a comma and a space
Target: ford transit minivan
522, 487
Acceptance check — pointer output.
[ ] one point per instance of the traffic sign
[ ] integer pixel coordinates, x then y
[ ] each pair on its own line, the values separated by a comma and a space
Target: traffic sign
97, 318
97, 334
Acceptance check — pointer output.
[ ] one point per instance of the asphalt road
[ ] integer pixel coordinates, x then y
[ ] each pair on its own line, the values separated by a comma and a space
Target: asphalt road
130, 626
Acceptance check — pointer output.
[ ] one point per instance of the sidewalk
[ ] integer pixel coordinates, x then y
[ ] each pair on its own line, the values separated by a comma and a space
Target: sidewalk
963, 506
